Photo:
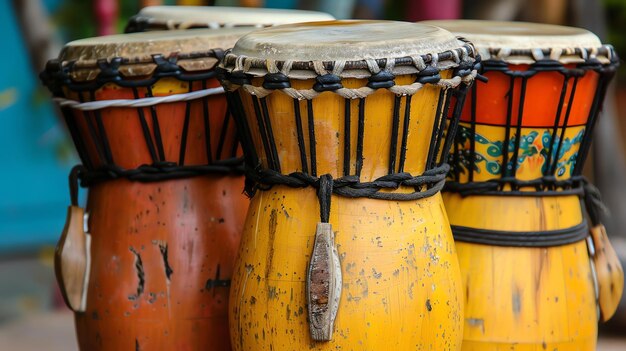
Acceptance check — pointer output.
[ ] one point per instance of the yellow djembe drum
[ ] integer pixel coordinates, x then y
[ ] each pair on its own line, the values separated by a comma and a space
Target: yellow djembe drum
515, 189
351, 113
191, 17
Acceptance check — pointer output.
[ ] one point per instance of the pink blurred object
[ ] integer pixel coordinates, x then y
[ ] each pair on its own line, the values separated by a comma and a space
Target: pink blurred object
419, 10
106, 15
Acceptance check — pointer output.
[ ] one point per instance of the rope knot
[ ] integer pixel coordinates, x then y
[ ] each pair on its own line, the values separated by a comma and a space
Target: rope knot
324, 192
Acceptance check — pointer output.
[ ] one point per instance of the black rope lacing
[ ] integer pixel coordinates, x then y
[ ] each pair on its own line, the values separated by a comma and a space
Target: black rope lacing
544, 186
156, 172
548, 184
594, 207
58, 76
160, 171
425, 185
349, 184
546, 238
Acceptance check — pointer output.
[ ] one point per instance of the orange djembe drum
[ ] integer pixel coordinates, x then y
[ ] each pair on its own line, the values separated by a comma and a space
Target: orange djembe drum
515, 189
192, 17
346, 244
165, 205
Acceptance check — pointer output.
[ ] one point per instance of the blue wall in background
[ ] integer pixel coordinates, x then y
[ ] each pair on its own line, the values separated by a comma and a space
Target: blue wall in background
33, 171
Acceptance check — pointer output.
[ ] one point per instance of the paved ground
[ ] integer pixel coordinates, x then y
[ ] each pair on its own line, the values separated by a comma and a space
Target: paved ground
28, 295
55, 332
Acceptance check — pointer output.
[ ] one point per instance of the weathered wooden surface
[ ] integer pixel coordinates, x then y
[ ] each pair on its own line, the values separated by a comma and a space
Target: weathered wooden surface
401, 285
323, 284
609, 273
400, 275
72, 260
162, 252
521, 299
54, 331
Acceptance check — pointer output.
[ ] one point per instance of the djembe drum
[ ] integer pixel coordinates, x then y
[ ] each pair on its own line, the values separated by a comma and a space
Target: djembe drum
513, 197
320, 124
165, 205
190, 17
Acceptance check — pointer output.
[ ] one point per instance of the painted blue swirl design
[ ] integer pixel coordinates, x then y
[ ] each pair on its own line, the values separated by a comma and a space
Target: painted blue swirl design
529, 146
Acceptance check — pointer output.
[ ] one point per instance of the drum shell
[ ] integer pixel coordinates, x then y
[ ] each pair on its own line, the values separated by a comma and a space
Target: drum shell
137, 299
127, 140
524, 297
554, 108
551, 302
399, 270
397, 257
329, 129
198, 218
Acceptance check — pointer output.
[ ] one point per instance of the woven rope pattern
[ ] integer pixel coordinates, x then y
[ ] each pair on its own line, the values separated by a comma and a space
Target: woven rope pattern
555, 54
464, 56
357, 93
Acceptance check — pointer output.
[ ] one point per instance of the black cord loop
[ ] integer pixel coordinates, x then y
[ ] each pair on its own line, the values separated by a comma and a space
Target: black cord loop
426, 185
323, 193
548, 238
547, 185
594, 208
155, 172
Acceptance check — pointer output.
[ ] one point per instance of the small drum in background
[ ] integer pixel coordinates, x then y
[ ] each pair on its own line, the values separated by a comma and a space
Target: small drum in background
513, 196
165, 205
188, 17
346, 242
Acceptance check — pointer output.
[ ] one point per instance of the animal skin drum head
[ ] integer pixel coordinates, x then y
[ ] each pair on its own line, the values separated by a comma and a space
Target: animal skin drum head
234, 16
136, 45
519, 35
345, 40
488, 36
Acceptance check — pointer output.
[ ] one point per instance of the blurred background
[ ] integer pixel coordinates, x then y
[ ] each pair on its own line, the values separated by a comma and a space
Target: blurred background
37, 153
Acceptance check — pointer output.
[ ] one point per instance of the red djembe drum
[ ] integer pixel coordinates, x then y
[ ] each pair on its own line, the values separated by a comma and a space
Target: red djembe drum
165, 204
515, 187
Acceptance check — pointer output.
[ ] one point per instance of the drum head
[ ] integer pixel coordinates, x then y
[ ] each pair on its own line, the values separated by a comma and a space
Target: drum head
211, 16
345, 41
496, 39
143, 45
519, 35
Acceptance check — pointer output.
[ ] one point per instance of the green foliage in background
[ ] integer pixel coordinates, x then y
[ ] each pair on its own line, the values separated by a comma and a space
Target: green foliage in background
75, 19
127, 9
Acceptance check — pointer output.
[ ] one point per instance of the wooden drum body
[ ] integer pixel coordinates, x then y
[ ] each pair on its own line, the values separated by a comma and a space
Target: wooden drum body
165, 204
353, 149
153, 18
515, 186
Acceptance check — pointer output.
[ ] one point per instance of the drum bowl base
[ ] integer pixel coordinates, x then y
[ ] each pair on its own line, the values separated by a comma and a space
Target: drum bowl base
524, 298
577, 345
401, 283
162, 258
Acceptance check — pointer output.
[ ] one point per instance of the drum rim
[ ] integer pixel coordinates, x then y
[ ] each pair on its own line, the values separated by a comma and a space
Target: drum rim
524, 52
82, 61
125, 72
361, 68
259, 52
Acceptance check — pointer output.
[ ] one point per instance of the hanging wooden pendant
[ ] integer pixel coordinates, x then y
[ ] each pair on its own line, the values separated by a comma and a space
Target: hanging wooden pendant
323, 285
72, 260
609, 272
